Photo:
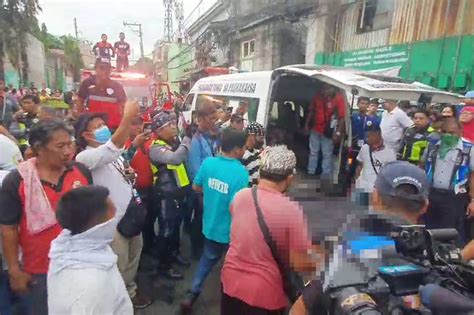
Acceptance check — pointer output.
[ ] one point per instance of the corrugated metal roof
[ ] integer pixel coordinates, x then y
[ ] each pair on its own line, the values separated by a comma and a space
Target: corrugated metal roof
349, 39
416, 20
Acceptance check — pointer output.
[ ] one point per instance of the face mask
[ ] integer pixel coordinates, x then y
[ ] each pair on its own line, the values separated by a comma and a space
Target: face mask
102, 135
449, 140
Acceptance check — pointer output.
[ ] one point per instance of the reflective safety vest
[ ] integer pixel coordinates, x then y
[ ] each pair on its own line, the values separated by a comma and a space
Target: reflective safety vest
415, 144
178, 172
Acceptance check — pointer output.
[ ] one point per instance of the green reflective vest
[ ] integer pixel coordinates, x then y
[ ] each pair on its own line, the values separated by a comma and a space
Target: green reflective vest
178, 171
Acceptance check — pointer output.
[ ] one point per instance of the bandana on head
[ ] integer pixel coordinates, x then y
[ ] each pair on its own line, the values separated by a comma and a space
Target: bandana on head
468, 128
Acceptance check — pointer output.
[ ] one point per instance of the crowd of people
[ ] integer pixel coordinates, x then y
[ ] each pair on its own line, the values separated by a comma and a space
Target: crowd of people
81, 193
438, 140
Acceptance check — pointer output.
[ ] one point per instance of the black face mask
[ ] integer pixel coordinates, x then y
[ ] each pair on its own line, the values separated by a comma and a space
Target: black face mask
258, 145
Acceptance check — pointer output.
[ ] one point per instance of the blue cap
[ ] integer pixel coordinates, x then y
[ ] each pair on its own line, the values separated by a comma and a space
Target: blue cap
161, 120
469, 94
397, 173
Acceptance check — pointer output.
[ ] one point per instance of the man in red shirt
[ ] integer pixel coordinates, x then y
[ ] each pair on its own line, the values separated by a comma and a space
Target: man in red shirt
137, 149
325, 124
28, 196
122, 49
103, 49
102, 95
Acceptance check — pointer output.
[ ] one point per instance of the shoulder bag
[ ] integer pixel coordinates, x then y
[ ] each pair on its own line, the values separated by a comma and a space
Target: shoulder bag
293, 284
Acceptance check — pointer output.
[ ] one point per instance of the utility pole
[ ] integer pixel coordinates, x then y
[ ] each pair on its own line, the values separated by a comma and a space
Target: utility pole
139, 32
75, 28
168, 19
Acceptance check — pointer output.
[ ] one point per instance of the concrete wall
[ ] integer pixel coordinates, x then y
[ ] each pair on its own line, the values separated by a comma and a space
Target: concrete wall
36, 64
180, 59
36, 60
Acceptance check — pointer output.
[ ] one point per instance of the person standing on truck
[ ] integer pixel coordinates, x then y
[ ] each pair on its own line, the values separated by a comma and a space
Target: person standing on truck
103, 49
325, 125
100, 94
122, 49
393, 124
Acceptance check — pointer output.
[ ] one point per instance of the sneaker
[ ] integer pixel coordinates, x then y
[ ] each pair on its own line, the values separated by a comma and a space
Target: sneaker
187, 303
171, 274
141, 301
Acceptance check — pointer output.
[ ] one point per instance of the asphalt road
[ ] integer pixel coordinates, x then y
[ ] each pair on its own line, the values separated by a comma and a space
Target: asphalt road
325, 216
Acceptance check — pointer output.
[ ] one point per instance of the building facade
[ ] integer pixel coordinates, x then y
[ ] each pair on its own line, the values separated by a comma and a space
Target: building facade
428, 40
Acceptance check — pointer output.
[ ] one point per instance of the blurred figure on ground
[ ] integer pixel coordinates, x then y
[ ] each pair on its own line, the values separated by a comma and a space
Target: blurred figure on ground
371, 158
168, 156
394, 123
254, 145
122, 50
251, 277
416, 138
102, 95
103, 49
83, 277
102, 154
219, 179
29, 198
449, 165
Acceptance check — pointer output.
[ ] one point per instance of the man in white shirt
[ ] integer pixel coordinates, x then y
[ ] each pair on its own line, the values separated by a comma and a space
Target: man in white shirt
372, 156
393, 124
102, 154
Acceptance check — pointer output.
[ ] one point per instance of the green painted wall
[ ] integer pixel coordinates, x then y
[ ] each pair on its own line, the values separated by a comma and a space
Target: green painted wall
444, 63
180, 59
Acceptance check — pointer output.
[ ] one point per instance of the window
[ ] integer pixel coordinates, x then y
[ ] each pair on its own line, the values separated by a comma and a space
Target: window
248, 48
233, 102
188, 102
374, 15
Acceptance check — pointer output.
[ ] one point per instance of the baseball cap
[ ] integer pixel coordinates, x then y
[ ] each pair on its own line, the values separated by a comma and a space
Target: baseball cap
397, 173
83, 121
469, 94
161, 120
254, 128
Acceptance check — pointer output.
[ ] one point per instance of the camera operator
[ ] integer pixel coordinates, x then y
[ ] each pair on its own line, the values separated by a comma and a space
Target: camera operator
400, 197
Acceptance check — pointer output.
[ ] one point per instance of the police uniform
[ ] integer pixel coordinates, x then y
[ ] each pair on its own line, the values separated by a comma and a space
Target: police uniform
172, 185
414, 144
449, 195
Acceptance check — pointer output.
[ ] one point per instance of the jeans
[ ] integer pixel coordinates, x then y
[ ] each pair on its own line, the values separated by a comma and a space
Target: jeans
319, 142
211, 254
10, 301
196, 236
152, 202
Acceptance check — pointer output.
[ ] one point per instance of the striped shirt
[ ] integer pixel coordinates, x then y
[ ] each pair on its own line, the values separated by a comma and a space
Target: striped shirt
251, 161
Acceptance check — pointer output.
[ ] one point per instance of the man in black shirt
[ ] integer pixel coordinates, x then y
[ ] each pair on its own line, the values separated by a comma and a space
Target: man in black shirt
122, 50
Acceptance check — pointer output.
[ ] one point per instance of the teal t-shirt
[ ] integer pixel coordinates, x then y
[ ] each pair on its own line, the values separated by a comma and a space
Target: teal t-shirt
220, 178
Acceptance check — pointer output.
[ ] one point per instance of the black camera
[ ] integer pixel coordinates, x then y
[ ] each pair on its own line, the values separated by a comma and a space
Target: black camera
423, 257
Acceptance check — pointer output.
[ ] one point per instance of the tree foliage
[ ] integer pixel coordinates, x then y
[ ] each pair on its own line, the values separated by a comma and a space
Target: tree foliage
17, 19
